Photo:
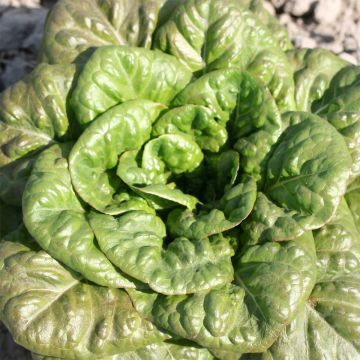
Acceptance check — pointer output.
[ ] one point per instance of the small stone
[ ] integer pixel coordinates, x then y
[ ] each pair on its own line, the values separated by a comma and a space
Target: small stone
15, 27
20, 3
350, 43
299, 8
307, 42
327, 12
348, 57
15, 70
278, 3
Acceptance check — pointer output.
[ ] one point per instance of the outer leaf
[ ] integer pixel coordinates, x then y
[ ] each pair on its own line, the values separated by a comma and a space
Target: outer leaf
134, 243
348, 124
73, 27
124, 127
338, 245
328, 326
342, 94
56, 219
314, 69
255, 118
36, 291
163, 351
308, 337
197, 121
33, 111
115, 74
353, 200
247, 316
279, 32
305, 177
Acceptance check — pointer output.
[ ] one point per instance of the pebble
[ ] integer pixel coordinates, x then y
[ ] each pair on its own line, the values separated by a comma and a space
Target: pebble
299, 8
20, 3
327, 12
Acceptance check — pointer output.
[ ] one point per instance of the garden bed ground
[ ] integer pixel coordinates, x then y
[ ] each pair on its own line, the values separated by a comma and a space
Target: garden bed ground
332, 24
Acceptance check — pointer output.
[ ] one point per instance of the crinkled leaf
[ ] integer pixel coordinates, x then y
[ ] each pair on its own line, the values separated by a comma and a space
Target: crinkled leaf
255, 117
244, 316
279, 32
305, 177
134, 243
57, 220
33, 111
75, 26
272, 67
115, 74
36, 292
229, 212
269, 222
353, 200
157, 351
124, 127
174, 153
197, 121
313, 71
338, 245
342, 94
348, 125
328, 326
210, 34
309, 337
159, 196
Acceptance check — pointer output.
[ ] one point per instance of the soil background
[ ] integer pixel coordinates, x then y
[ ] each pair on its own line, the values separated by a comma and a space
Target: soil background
331, 24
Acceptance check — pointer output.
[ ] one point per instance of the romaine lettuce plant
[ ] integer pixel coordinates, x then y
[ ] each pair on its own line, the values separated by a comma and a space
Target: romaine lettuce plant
177, 182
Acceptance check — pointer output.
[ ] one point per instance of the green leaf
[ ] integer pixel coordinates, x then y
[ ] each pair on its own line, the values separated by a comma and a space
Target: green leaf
174, 153
197, 121
73, 27
269, 222
56, 219
124, 127
353, 200
159, 196
244, 316
308, 337
255, 118
348, 125
158, 351
229, 212
115, 74
134, 243
33, 111
279, 32
208, 34
328, 325
305, 177
342, 94
313, 71
338, 245
36, 291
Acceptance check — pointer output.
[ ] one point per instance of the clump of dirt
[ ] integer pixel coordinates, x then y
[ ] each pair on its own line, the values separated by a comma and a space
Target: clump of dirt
330, 24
